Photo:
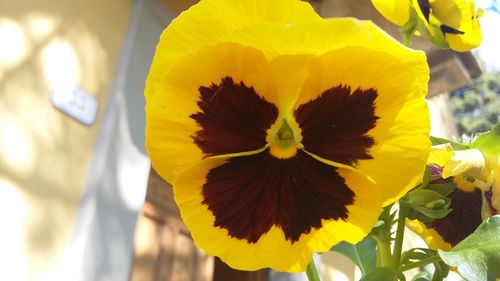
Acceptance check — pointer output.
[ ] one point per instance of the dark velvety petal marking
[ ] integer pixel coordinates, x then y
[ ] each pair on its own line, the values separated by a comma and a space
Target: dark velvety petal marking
251, 194
448, 29
335, 124
488, 195
463, 220
233, 118
425, 7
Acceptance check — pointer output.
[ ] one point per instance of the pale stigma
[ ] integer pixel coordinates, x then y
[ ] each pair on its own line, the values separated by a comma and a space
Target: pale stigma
284, 144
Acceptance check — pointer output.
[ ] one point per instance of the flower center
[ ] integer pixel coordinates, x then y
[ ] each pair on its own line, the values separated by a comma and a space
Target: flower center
284, 138
284, 144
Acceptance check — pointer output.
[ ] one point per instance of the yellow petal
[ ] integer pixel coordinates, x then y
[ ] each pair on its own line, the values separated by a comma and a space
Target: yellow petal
396, 11
469, 167
170, 127
317, 37
470, 161
451, 12
462, 16
441, 154
399, 77
367, 57
268, 250
423, 19
209, 21
471, 38
429, 235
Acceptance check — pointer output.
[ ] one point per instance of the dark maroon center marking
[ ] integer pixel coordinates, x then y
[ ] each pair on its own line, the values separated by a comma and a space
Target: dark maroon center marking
233, 118
450, 30
425, 7
488, 195
249, 195
463, 220
335, 124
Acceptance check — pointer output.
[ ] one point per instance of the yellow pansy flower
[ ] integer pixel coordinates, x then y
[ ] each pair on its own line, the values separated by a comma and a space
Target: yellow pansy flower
447, 23
476, 177
280, 131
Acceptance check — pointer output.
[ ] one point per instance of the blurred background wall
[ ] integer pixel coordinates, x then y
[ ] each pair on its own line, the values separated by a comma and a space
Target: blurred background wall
44, 154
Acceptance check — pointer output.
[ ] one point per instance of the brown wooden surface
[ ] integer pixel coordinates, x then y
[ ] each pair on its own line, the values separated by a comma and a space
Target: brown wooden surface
222, 272
163, 247
164, 250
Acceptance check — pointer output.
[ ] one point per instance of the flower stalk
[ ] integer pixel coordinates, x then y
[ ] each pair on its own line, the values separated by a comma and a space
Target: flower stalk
312, 272
384, 253
398, 243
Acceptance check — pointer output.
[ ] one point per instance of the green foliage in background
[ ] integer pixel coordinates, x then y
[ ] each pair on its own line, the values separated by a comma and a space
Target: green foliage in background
477, 107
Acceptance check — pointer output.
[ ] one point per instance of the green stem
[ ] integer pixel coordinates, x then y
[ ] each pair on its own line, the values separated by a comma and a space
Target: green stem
437, 277
384, 252
312, 273
407, 39
398, 243
420, 263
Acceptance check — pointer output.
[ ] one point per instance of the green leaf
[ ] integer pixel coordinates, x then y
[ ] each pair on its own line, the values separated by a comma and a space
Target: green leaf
416, 254
426, 178
454, 144
380, 274
312, 272
363, 254
477, 257
444, 189
433, 214
441, 270
488, 142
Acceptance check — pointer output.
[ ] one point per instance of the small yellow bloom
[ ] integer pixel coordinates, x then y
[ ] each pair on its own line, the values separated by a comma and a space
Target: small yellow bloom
447, 23
476, 176
280, 130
